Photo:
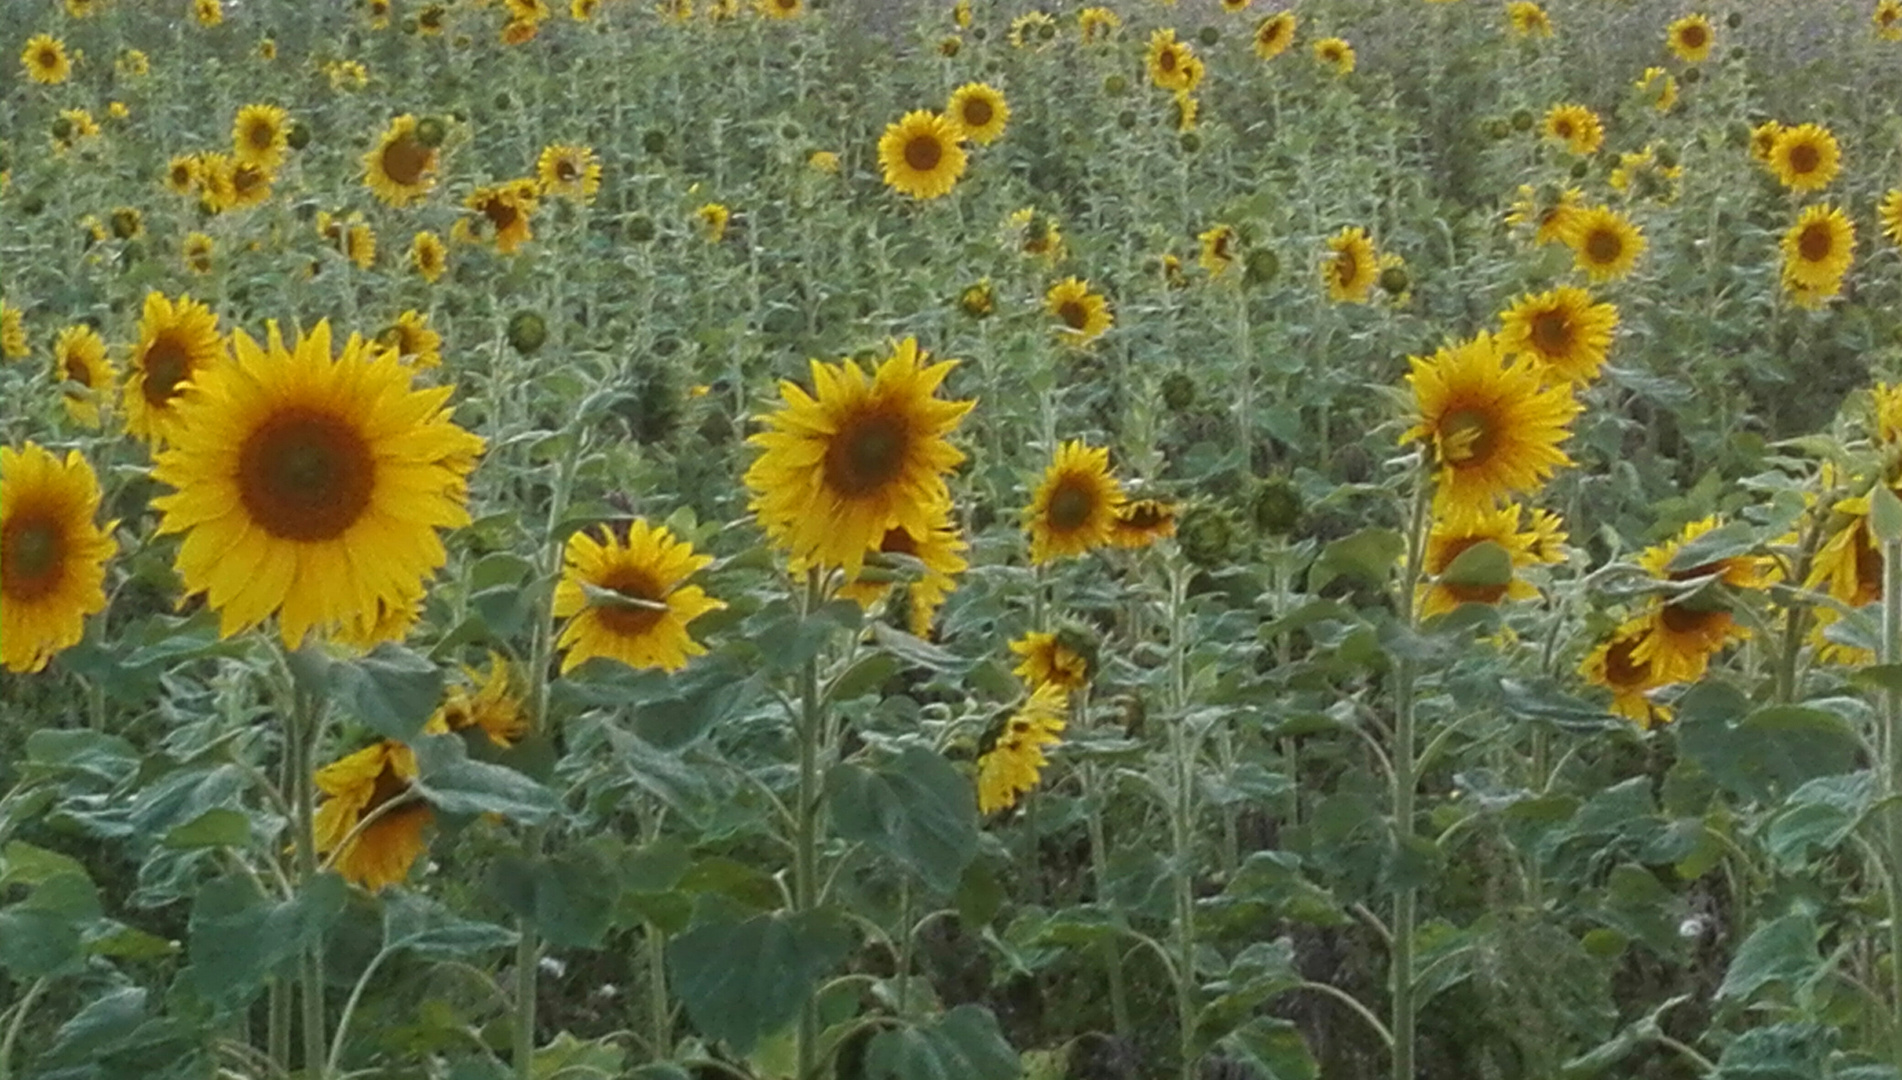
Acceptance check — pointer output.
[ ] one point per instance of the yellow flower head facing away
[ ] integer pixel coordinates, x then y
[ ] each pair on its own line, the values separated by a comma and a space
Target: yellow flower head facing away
52, 554
85, 375
1073, 509
1015, 762
641, 605
1047, 659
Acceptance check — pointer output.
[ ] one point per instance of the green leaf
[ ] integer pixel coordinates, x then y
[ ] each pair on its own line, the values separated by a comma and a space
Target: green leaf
105, 1022
217, 827
740, 981
963, 1044
22, 863
1485, 565
669, 709
238, 936
1780, 951
917, 651
1367, 557
569, 1058
35, 943
1885, 514
454, 783
1275, 1048
415, 922
1792, 1051
914, 807
1757, 754
392, 691
104, 757
569, 898
1723, 542
1820, 814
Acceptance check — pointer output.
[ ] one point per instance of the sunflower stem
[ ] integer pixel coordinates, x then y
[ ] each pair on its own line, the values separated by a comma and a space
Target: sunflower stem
806, 821
1182, 752
1404, 781
306, 722
1892, 778
1099, 865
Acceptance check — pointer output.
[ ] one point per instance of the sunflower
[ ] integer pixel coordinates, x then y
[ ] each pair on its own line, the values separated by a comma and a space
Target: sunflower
373, 785
13, 343
178, 340
197, 250
1274, 34
1015, 762
352, 236
781, 9
1335, 53
432, 19
502, 210
533, 11
82, 9
1888, 19
1847, 566
379, 12
1806, 157
1528, 19
73, 125
1170, 264
1235, 7
45, 61
260, 135
1167, 60
1685, 633
133, 64
1816, 253
1613, 666
415, 343
823, 161
718, 11
1351, 268
486, 703
1576, 126
1034, 234
1548, 210
428, 256
1218, 249
1605, 244
1562, 329
978, 299
645, 624
79, 362
1493, 426
311, 485
939, 550
230, 185
841, 467
1691, 38
920, 154
978, 111
1763, 140
1051, 659
400, 169
1097, 24
1447, 540
713, 221
1075, 505
1085, 315
1661, 85
52, 556
267, 49
1032, 29
208, 12
1142, 523
1889, 213
347, 75
583, 10
570, 172
182, 172
1642, 174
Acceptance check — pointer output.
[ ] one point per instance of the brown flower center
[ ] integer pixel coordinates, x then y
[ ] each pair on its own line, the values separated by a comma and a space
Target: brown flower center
306, 475
1805, 158
567, 171
923, 152
1167, 60
32, 554
76, 371
1683, 619
1604, 246
978, 112
899, 542
1466, 436
636, 584
1815, 242
1551, 333
1693, 37
261, 135
1562, 128
501, 212
1620, 669
405, 161
1071, 505
1346, 268
167, 363
1073, 314
867, 454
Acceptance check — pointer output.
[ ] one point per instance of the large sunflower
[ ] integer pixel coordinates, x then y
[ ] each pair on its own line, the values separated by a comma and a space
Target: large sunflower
45, 60
1351, 267
52, 556
1806, 157
1605, 244
1528, 19
1274, 34
1016, 760
1816, 253
979, 112
1084, 315
1493, 427
644, 625
1685, 633
80, 364
1613, 666
260, 135
858, 457
371, 785
309, 485
1562, 329
1335, 53
401, 168
178, 339
1890, 212
1691, 38
1167, 60
920, 154
1075, 505
1576, 126
570, 172
1048, 658
1449, 539
939, 550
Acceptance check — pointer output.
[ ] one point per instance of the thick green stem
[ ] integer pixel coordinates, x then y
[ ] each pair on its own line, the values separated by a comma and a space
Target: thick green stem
806, 825
660, 1010
1099, 865
1892, 778
18, 1024
306, 721
904, 944
1406, 898
527, 976
1182, 752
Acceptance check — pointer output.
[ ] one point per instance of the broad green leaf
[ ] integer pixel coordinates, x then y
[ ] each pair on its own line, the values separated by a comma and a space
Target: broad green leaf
35, 943
569, 898
218, 827
1723, 542
568, 1058
103, 1023
104, 757
1780, 951
1367, 557
963, 1044
914, 807
22, 863
454, 783
392, 690
1275, 1048
917, 651
1791, 1051
1756, 754
1485, 565
238, 936
740, 981
1819, 815
415, 922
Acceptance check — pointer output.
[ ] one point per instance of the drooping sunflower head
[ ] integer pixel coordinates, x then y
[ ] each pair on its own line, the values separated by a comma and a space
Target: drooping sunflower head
177, 341
1051, 658
1660, 86
355, 787
1576, 126
1817, 251
1219, 249
979, 112
1075, 505
428, 256
311, 485
1605, 244
415, 343
1691, 38
1351, 267
1335, 53
260, 135
1562, 329
842, 466
938, 556
713, 221
1888, 19
52, 555
1889, 213
486, 703
86, 376
1082, 315
1493, 428
1528, 19
1142, 523
1613, 666
1015, 761
920, 155
569, 171
640, 605
1805, 157
501, 215
45, 60
401, 168
13, 344
1848, 565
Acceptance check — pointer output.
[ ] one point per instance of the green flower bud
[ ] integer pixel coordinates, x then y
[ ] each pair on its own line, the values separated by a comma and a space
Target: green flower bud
1115, 84
1191, 142
1277, 507
654, 140
1395, 280
1497, 128
640, 228
1263, 266
1206, 535
527, 332
1210, 35
1522, 120
1580, 169
1126, 120
1046, 31
431, 131
1667, 157
1691, 76
1734, 20
298, 136
1178, 391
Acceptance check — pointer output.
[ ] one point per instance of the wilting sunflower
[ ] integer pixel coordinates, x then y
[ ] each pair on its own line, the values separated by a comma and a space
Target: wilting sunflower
1605, 244
52, 556
1691, 38
1142, 523
428, 256
1848, 566
1097, 24
352, 236
920, 155
1547, 210
1449, 539
181, 173
1351, 267
487, 703
1085, 315
1562, 329
373, 785
1015, 762
1576, 126
939, 550
401, 168
1167, 60
1685, 633
197, 250
501, 215
178, 340
80, 365
1493, 427
133, 64
1816, 253
73, 126
415, 343
45, 60
1889, 213
1218, 250
979, 112
13, 344
570, 172
1888, 19
841, 467
1528, 19
644, 623
260, 135
713, 220
1035, 234
1335, 53
1806, 157
1051, 659
1661, 86
1274, 34
311, 485
1075, 505
1612, 666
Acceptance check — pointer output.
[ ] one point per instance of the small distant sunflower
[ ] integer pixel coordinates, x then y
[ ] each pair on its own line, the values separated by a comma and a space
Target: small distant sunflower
1015, 762
1097, 24
1035, 234
1888, 19
1817, 251
416, 344
503, 211
432, 20
45, 60
1613, 666
1641, 174
1351, 267
1661, 86
133, 64
242, 186
841, 467
178, 340
1763, 140
181, 174
782, 9
921, 156
1528, 19
310, 485
940, 550
1493, 426
487, 703
351, 236
428, 256
534, 11
1186, 109
979, 112
978, 299
1576, 126
1274, 34
1691, 38
1806, 157
1049, 658
13, 344
569, 171
1142, 523
400, 170
1033, 29
260, 136
267, 49
645, 624
823, 161
1335, 53
75, 124
583, 10
1547, 210
1605, 244
52, 556
1848, 566
347, 75
1075, 505
713, 219
1890, 212
1562, 329
82, 9
1235, 7
80, 365
1218, 249
1085, 315
1447, 540
208, 12
197, 250
374, 785
1168, 60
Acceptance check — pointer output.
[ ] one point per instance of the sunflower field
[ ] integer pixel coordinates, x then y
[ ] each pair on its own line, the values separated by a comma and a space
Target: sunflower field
794, 539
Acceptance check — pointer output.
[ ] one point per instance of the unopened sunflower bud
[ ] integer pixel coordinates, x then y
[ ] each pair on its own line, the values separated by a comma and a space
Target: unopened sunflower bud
1263, 266
1734, 20
1178, 391
430, 131
1046, 31
1395, 280
1522, 120
1581, 169
527, 332
298, 136
62, 129
1191, 142
950, 46
1497, 128
1206, 535
1210, 35
1691, 76
640, 228
1126, 120
654, 140
1277, 506
1115, 84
